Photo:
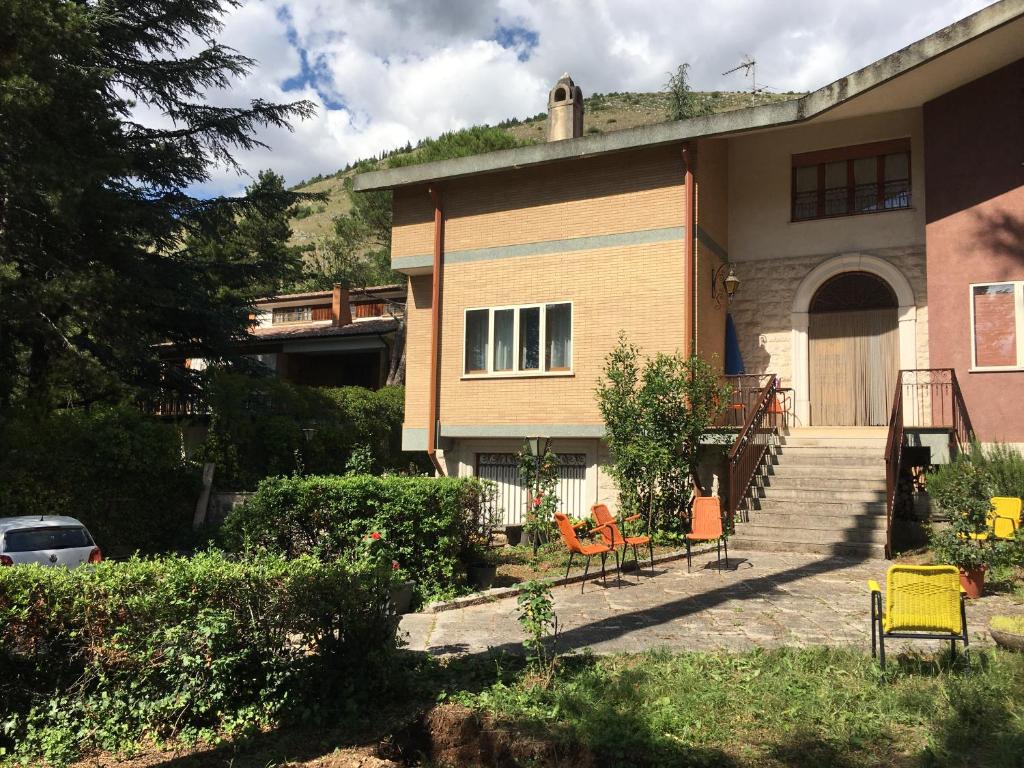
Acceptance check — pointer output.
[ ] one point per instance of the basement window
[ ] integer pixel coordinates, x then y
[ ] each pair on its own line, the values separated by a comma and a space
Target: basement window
997, 326
868, 178
529, 340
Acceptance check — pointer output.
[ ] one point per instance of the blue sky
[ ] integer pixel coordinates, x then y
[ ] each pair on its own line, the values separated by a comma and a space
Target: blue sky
387, 72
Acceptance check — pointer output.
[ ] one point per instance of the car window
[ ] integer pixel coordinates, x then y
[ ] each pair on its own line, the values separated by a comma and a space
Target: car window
32, 539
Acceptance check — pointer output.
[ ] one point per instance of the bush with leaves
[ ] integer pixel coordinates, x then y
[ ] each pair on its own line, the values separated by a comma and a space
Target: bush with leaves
257, 424
655, 412
538, 620
182, 649
430, 522
961, 490
119, 472
540, 477
1004, 465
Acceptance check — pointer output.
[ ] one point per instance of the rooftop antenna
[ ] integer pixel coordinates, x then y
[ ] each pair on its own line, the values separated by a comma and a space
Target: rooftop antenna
749, 67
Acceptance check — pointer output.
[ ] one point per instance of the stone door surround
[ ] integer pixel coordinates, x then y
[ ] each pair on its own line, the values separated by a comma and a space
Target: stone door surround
850, 262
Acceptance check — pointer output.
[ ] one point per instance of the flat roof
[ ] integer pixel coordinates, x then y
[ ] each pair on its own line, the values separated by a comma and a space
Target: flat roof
778, 114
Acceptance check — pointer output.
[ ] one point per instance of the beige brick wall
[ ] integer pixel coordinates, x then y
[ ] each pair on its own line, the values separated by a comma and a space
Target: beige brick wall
417, 351
762, 308
636, 289
712, 184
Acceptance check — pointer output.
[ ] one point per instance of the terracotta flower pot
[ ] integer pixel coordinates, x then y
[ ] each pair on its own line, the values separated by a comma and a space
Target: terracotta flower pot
973, 581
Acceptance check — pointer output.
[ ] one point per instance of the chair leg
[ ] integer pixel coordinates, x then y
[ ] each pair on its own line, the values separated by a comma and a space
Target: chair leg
874, 640
963, 624
569, 566
604, 574
687, 555
719, 550
618, 566
881, 649
725, 542
637, 561
586, 569
650, 547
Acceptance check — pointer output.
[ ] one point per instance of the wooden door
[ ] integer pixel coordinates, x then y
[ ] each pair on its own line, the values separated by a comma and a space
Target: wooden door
853, 361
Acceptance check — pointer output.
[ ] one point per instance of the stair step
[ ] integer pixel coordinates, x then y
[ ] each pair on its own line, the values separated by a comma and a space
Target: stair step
823, 508
859, 551
814, 495
794, 521
824, 483
855, 444
811, 535
811, 458
839, 472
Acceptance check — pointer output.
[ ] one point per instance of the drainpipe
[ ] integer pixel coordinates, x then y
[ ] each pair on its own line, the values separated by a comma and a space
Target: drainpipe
435, 331
689, 247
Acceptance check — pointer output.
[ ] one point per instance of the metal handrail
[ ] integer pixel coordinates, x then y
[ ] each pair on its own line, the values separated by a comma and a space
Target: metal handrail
893, 456
750, 447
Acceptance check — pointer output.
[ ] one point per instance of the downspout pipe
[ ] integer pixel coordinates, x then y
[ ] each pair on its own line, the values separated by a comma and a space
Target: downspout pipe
435, 330
689, 247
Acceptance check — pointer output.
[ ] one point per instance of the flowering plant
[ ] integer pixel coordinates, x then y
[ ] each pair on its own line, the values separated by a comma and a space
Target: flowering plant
376, 555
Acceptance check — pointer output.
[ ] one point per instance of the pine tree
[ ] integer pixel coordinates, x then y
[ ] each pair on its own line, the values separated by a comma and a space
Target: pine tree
103, 253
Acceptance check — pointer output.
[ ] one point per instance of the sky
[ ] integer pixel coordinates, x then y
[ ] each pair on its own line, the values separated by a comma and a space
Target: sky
386, 72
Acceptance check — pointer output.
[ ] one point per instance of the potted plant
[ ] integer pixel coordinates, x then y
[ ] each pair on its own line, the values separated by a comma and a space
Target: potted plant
482, 560
961, 491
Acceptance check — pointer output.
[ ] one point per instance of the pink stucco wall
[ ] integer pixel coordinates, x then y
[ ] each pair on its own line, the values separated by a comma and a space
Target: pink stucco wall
974, 159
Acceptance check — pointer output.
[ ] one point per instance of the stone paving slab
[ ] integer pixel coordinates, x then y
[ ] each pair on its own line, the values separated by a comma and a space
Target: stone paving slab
763, 599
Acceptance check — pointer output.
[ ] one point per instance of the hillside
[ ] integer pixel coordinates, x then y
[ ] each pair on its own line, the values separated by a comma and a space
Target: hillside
603, 113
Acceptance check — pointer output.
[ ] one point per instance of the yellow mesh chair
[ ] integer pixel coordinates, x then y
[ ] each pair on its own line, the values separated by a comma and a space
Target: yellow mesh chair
1005, 518
923, 602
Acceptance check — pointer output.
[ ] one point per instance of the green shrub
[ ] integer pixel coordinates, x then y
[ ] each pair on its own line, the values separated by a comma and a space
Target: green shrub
180, 648
256, 430
429, 521
118, 471
1004, 466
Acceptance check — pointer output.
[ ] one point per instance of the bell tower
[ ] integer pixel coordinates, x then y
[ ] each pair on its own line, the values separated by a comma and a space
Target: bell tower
565, 110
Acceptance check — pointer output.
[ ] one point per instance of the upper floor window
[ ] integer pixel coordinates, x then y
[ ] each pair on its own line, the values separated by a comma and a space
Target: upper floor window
526, 340
282, 315
867, 178
997, 326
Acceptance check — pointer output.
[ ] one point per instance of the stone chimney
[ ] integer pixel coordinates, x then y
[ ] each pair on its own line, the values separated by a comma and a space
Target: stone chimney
565, 110
341, 310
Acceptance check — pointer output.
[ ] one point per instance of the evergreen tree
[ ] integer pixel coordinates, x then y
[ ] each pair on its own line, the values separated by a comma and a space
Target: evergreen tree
104, 250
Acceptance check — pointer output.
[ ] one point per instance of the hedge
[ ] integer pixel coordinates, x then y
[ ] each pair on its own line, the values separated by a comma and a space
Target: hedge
427, 521
118, 471
262, 426
181, 649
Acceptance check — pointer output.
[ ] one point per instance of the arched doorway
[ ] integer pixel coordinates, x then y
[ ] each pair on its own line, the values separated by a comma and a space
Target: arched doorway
853, 350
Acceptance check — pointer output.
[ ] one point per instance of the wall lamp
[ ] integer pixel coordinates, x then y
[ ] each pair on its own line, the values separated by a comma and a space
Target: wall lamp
721, 282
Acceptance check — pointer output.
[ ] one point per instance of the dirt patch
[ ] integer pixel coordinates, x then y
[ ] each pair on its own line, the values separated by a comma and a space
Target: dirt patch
460, 736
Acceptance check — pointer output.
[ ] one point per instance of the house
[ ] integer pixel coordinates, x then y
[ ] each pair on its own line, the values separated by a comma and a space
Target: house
874, 226
329, 338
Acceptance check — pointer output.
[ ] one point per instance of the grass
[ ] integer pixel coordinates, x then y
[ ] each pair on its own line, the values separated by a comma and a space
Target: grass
518, 564
787, 707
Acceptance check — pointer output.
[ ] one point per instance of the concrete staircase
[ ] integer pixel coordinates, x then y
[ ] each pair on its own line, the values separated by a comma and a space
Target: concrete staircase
823, 492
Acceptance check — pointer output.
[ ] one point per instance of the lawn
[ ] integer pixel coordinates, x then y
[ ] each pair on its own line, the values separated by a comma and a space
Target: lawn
518, 564
785, 708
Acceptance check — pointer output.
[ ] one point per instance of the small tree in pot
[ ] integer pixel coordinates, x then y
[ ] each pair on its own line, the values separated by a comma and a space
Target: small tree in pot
961, 490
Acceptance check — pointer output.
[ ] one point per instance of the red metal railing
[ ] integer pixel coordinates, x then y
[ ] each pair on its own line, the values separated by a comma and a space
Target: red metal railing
744, 392
925, 398
748, 452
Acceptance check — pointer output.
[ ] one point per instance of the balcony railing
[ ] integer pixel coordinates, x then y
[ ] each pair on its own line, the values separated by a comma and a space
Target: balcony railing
175, 405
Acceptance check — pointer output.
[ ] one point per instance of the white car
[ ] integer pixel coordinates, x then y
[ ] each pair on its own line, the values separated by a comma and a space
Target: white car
49, 540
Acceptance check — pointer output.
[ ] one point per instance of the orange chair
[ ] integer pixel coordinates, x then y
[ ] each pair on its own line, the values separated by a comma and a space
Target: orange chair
706, 525
568, 533
610, 533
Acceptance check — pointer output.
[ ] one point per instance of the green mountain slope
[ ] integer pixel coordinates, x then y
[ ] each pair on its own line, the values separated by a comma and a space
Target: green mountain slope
603, 113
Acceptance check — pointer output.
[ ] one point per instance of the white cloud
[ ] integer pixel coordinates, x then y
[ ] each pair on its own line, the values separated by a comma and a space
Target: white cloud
386, 72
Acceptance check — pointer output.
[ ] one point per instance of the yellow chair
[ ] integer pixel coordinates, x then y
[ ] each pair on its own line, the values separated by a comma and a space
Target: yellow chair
922, 602
1003, 520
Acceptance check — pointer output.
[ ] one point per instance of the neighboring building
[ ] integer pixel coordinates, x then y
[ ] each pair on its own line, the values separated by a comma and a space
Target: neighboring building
329, 338
875, 225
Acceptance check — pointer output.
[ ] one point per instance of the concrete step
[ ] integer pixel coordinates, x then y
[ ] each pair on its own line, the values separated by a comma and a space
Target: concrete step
823, 508
813, 457
813, 521
813, 495
851, 443
812, 535
855, 551
838, 473
839, 432
824, 484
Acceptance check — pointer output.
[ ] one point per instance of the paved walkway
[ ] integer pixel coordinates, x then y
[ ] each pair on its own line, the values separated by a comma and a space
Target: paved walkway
763, 599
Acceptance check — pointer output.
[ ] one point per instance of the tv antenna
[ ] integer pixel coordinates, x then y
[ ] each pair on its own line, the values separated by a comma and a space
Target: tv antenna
749, 67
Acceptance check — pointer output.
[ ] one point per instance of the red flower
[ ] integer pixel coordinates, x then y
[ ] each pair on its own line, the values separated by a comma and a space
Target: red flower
394, 565
537, 501
374, 535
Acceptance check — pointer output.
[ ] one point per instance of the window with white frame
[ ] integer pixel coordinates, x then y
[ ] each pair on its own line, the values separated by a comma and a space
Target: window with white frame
519, 341
997, 326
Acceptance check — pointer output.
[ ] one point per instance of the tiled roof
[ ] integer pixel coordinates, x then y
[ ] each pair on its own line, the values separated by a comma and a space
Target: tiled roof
291, 332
